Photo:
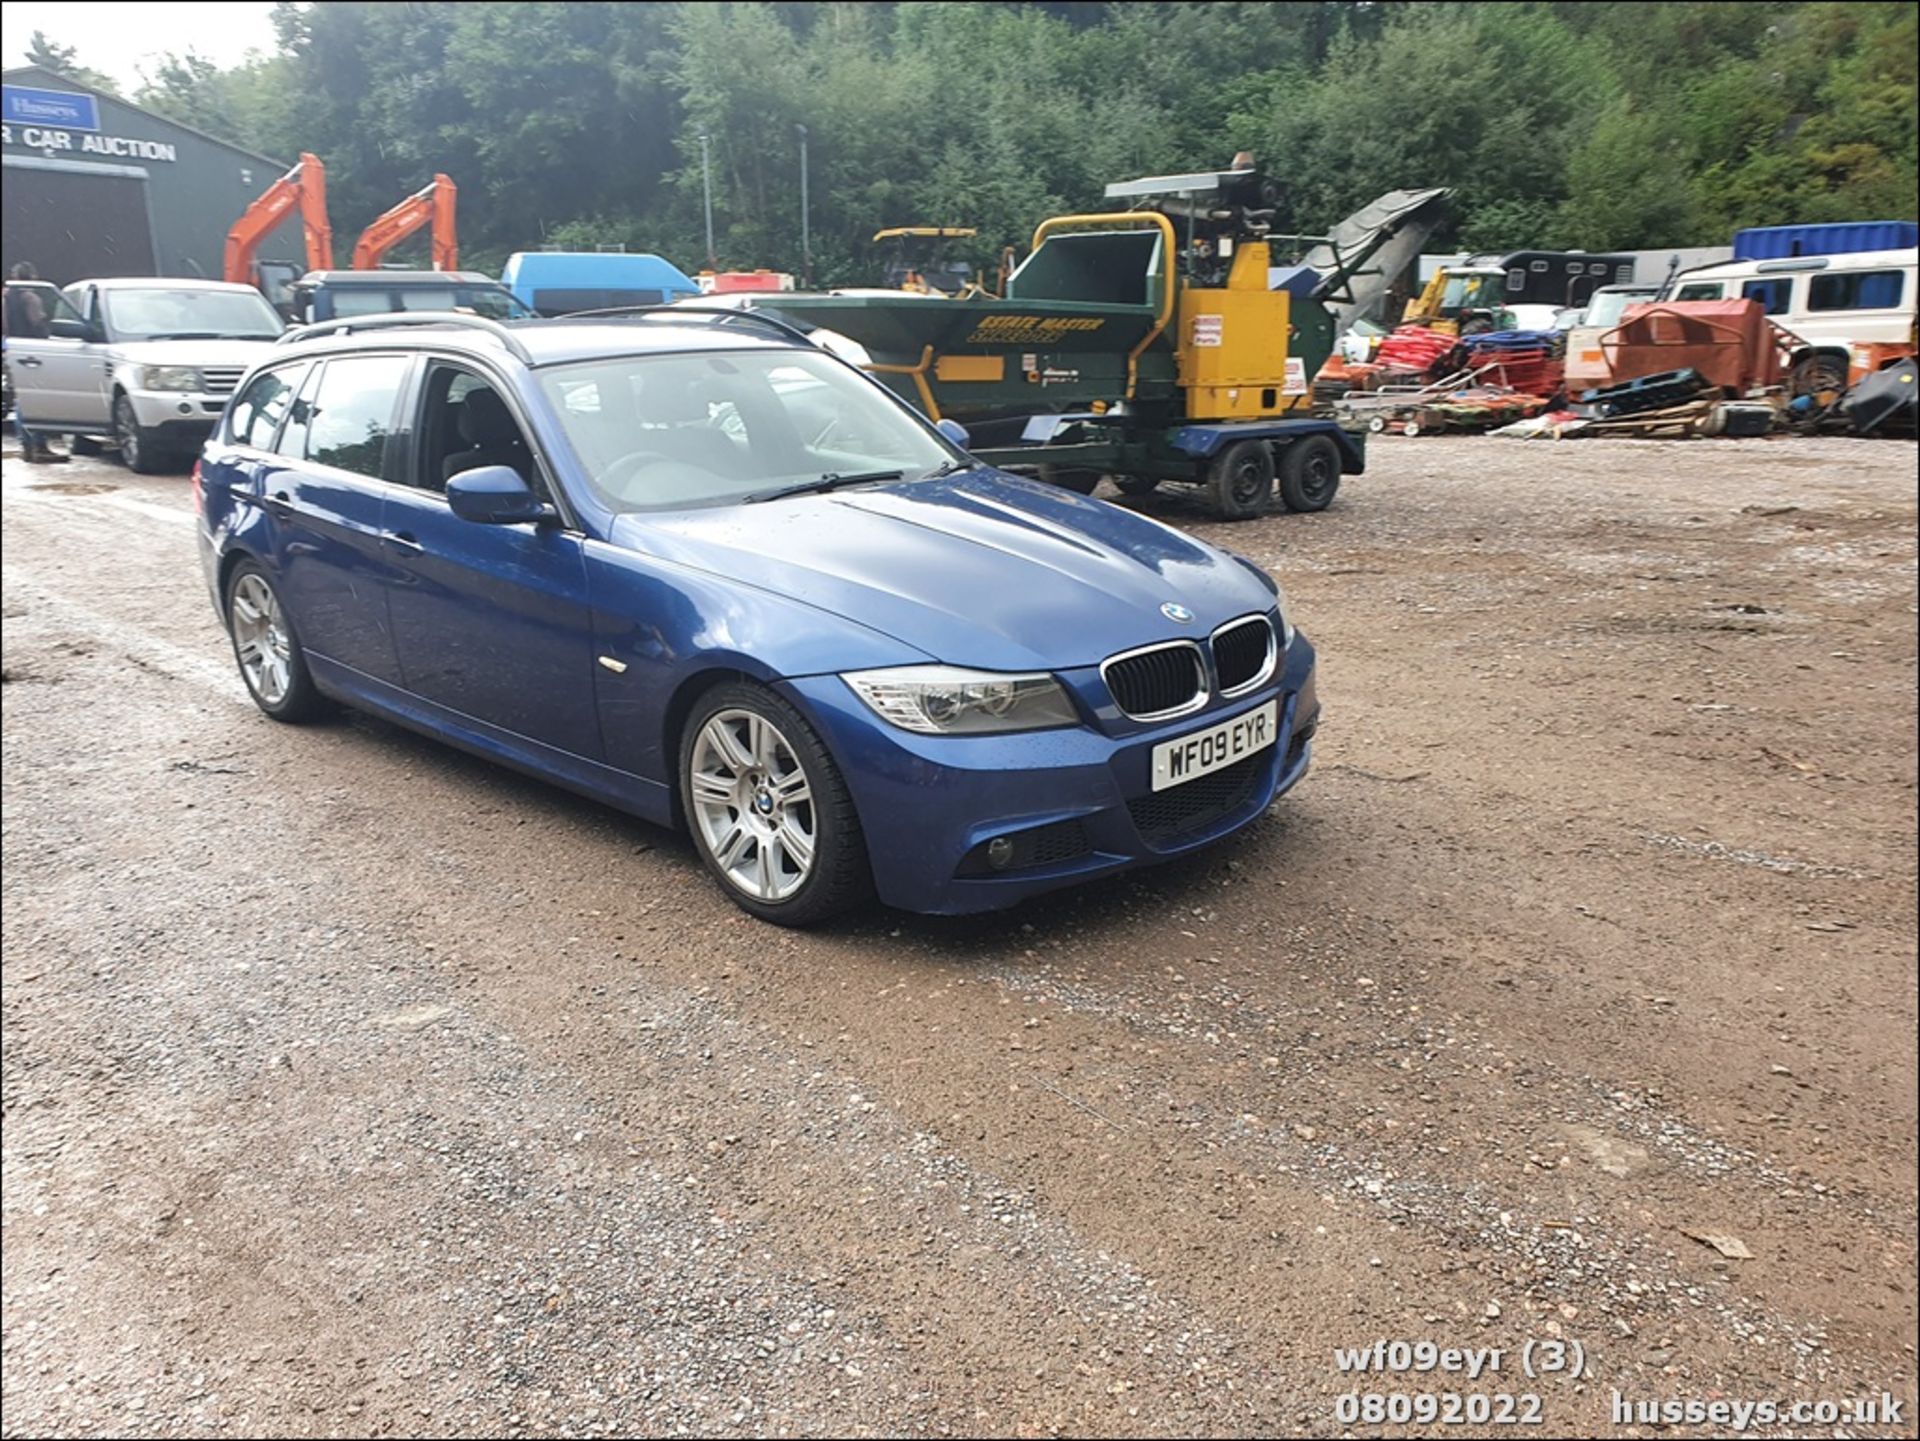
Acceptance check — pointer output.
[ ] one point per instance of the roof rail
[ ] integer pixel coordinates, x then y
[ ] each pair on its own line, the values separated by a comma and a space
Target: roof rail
784, 328
405, 318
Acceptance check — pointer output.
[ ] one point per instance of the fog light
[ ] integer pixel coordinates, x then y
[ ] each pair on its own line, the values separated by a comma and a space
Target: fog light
1000, 852
185, 409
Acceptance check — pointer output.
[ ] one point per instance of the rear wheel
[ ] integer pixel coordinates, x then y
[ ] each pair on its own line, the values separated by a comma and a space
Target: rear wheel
1818, 374
771, 816
271, 661
1240, 481
1310, 473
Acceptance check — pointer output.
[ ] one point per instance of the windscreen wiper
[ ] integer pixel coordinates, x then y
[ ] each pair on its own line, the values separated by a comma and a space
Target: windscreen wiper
832, 480
949, 467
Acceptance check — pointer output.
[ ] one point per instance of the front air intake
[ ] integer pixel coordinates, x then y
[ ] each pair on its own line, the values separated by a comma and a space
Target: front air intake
1157, 681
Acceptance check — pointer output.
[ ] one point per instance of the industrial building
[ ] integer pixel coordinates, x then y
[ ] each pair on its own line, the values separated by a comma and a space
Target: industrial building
96, 186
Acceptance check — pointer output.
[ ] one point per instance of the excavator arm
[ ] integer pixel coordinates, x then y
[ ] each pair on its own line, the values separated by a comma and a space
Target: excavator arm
304, 187
432, 205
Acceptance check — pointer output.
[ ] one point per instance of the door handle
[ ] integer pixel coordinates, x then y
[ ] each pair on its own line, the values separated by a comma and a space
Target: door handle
401, 540
32, 362
280, 503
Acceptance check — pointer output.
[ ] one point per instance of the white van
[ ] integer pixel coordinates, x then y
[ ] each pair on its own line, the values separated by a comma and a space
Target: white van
1831, 302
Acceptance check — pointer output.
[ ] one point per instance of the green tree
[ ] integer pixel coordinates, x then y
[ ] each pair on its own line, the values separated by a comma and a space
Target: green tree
1557, 123
1627, 186
48, 54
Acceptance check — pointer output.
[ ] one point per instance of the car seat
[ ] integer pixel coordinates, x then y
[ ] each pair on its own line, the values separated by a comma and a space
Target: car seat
492, 436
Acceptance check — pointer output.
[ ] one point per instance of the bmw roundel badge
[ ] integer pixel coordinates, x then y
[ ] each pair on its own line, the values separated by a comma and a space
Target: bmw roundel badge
1173, 610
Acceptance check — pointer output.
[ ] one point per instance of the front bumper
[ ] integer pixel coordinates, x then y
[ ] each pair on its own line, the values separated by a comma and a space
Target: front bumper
929, 803
179, 415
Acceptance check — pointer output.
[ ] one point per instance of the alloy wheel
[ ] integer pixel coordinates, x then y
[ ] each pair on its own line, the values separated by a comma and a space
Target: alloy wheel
753, 802
126, 431
260, 639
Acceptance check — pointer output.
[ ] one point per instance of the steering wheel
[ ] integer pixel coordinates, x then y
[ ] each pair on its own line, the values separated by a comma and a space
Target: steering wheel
630, 467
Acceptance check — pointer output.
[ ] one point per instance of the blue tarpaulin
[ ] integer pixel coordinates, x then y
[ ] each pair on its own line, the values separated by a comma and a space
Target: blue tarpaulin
1784, 242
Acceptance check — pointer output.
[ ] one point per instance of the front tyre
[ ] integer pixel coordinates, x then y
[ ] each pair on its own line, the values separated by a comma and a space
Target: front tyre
770, 815
140, 449
271, 661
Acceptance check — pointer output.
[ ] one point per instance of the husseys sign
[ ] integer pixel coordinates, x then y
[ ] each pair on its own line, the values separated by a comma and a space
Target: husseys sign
60, 122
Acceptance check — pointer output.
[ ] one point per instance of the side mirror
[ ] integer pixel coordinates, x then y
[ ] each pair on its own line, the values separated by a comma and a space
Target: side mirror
954, 431
494, 495
64, 329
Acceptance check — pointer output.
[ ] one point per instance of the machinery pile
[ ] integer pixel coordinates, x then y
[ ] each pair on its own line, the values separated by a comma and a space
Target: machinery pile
1422, 381
1809, 327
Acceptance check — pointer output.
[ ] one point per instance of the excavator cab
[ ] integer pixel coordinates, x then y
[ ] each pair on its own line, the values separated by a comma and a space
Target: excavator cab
276, 280
919, 259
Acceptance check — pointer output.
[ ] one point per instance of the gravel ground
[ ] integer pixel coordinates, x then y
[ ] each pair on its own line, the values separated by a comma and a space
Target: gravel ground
355, 1087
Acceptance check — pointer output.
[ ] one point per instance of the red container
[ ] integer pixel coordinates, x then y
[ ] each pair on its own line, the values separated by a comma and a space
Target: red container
1730, 342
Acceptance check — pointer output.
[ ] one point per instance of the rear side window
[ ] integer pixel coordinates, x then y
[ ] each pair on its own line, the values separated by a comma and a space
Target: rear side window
1857, 290
255, 416
1698, 292
352, 412
565, 302
1774, 295
359, 300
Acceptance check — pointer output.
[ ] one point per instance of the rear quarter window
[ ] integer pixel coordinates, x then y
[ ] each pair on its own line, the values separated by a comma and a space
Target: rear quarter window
1857, 290
255, 415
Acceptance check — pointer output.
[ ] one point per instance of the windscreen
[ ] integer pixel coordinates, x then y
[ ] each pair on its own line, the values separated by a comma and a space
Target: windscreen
1472, 292
167, 314
659, 432
1607, 306
494, 302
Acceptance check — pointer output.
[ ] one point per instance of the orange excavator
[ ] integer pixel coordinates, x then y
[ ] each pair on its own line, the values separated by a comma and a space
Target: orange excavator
433, 205
304, 187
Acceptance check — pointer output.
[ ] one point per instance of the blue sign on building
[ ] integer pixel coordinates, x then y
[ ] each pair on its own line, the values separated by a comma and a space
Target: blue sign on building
57, 109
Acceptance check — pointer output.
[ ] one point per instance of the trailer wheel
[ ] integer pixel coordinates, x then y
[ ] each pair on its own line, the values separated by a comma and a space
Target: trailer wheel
1070, 477
1820, 373
1240, 481
1309, 473
1135, 484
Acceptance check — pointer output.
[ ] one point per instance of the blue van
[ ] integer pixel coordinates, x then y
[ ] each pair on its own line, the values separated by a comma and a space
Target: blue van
559, 282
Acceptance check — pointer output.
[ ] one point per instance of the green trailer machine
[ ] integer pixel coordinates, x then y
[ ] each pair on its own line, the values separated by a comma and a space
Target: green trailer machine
1154, 344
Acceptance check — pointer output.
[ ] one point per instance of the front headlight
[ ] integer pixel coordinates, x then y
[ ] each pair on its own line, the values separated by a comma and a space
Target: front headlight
945, 700
1285, 607
1279, 596
170, 377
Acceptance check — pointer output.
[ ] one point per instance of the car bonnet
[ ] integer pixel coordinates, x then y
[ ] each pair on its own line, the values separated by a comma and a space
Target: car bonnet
981, 568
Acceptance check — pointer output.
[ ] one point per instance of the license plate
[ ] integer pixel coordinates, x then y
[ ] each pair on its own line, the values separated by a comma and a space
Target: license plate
1178, 761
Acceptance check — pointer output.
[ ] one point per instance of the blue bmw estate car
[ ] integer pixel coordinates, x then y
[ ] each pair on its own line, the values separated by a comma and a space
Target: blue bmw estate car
693, 567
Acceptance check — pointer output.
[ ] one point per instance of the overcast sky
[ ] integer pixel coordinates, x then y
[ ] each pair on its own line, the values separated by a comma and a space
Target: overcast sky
118, 39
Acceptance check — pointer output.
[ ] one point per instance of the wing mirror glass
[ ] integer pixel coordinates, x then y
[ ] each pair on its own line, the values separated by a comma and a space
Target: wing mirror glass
495, 495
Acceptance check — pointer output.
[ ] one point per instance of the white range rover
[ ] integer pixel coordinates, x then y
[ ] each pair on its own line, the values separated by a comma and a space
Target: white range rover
143, 363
